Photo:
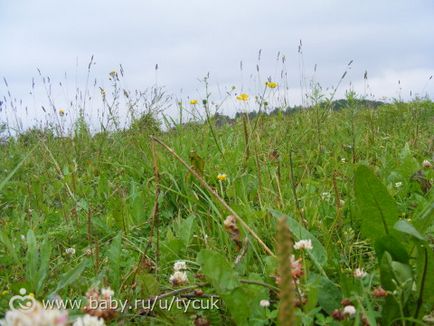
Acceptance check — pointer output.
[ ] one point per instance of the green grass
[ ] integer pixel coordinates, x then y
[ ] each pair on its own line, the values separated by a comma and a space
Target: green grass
97, 194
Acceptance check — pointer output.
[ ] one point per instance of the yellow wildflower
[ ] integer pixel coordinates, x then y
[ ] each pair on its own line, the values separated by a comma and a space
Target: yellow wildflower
61, 112
243, 97
271, 84
113, 73
222, 177
193, 102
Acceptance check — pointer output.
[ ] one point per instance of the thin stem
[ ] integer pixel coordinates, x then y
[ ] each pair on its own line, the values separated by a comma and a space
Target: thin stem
215, 194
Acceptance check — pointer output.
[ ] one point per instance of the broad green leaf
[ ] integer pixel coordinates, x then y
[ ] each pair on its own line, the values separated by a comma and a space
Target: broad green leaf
405, 227
185, 228
318, 254
404, 277
114, 256
329, 295
390, 310
32, 257
376, 208
243, 304
402, 272
386, 272
393, 247
218, 271
238, 306
425, 278
44, 259
390, 306
71, 276
147, 284
171, 249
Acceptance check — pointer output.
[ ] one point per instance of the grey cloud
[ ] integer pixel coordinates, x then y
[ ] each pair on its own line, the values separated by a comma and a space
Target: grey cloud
190, 38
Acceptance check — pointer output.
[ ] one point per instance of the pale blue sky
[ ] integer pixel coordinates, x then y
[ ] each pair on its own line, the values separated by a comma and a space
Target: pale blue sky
393, 40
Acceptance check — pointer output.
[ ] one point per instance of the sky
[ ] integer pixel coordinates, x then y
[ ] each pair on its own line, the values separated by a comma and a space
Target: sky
390, 39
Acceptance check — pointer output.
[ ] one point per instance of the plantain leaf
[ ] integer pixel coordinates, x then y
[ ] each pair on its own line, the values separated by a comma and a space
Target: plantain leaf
405, 227
393, 246
32, 258
425, 279
376, 208
114, 256
71, 276
318, 254
44, 260
218, 271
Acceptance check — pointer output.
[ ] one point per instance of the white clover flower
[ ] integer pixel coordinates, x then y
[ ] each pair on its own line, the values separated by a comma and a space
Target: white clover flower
264, 303
349, 310
88, 251
426, 164
325, 195
180, 266
107, 292
398, 184
70, 251
88, 320
359, 273
178, 278
54, 317
36, 316
303, 244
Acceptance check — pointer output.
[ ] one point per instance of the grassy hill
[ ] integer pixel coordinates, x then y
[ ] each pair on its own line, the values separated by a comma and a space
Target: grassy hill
352, 181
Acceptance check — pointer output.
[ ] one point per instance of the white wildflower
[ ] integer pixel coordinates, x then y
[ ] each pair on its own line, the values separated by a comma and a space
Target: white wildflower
88, 251
343, 160
23, 237
264, 303
107, 293
426, 164
178, 278
398, 184
325, 195
88, 320
359, 273
349, 310
303, 244
54, 317
35, 315
180, 266
70, 251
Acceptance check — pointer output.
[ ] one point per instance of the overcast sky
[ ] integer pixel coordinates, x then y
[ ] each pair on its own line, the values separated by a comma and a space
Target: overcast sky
393, 40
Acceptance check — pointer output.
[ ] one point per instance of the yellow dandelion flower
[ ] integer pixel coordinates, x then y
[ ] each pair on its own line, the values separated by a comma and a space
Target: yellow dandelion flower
243, 97
222, 177
193, 102
271, 84
61, 112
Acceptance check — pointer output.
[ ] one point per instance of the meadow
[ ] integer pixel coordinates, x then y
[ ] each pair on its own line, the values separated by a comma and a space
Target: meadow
311, 216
